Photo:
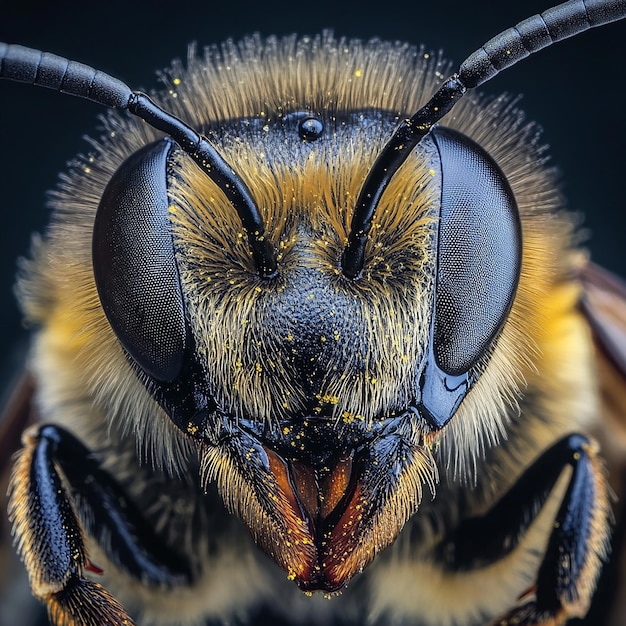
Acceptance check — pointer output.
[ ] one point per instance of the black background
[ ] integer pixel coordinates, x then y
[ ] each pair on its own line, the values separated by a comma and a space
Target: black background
575, 90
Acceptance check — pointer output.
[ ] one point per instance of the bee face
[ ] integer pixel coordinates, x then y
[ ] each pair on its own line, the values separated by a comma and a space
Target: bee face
327, 407
308, 384
319, 347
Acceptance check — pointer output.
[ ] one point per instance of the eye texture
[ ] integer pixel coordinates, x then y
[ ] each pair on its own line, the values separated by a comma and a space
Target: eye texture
479, 252
134, 264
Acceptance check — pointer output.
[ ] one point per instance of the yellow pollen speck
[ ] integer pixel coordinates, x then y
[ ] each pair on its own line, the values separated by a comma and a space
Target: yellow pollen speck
192, 429
291, 576
177, 81
258, 367
431, 171
358, 73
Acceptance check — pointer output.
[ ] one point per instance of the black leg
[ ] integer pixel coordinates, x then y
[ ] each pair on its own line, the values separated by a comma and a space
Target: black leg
47, 511
577, 544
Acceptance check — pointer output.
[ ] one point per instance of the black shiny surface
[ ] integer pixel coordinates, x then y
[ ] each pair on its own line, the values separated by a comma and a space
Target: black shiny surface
134, 263
479, 252
106, 512
310, 128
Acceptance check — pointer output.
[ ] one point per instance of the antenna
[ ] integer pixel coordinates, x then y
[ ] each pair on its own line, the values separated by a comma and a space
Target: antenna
49, 70
503, 51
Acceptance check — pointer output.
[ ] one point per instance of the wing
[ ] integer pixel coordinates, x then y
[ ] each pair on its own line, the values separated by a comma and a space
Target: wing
15, 599
14, 417
604, 306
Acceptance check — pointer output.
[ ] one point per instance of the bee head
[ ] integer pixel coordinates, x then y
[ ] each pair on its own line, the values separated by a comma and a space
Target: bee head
308, 389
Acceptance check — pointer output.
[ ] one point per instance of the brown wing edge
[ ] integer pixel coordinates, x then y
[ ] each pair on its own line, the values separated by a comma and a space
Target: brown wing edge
17, 411
15, 416
603, 304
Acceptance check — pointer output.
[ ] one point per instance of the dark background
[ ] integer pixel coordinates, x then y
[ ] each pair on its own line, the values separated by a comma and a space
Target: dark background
574, 90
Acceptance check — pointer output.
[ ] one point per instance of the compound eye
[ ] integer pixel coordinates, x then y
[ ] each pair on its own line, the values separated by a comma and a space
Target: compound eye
479, 253
134, 263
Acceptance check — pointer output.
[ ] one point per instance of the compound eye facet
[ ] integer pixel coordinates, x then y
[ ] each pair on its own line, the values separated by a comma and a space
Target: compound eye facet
479, 253
135, 266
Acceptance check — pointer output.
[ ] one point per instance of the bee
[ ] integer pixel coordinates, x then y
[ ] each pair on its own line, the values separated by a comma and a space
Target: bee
314, 320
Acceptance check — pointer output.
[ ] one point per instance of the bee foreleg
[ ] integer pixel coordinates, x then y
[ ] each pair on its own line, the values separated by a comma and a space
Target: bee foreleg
58, 489
577, 544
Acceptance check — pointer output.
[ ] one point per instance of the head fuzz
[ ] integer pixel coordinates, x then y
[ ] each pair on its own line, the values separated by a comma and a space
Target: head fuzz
308, 340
